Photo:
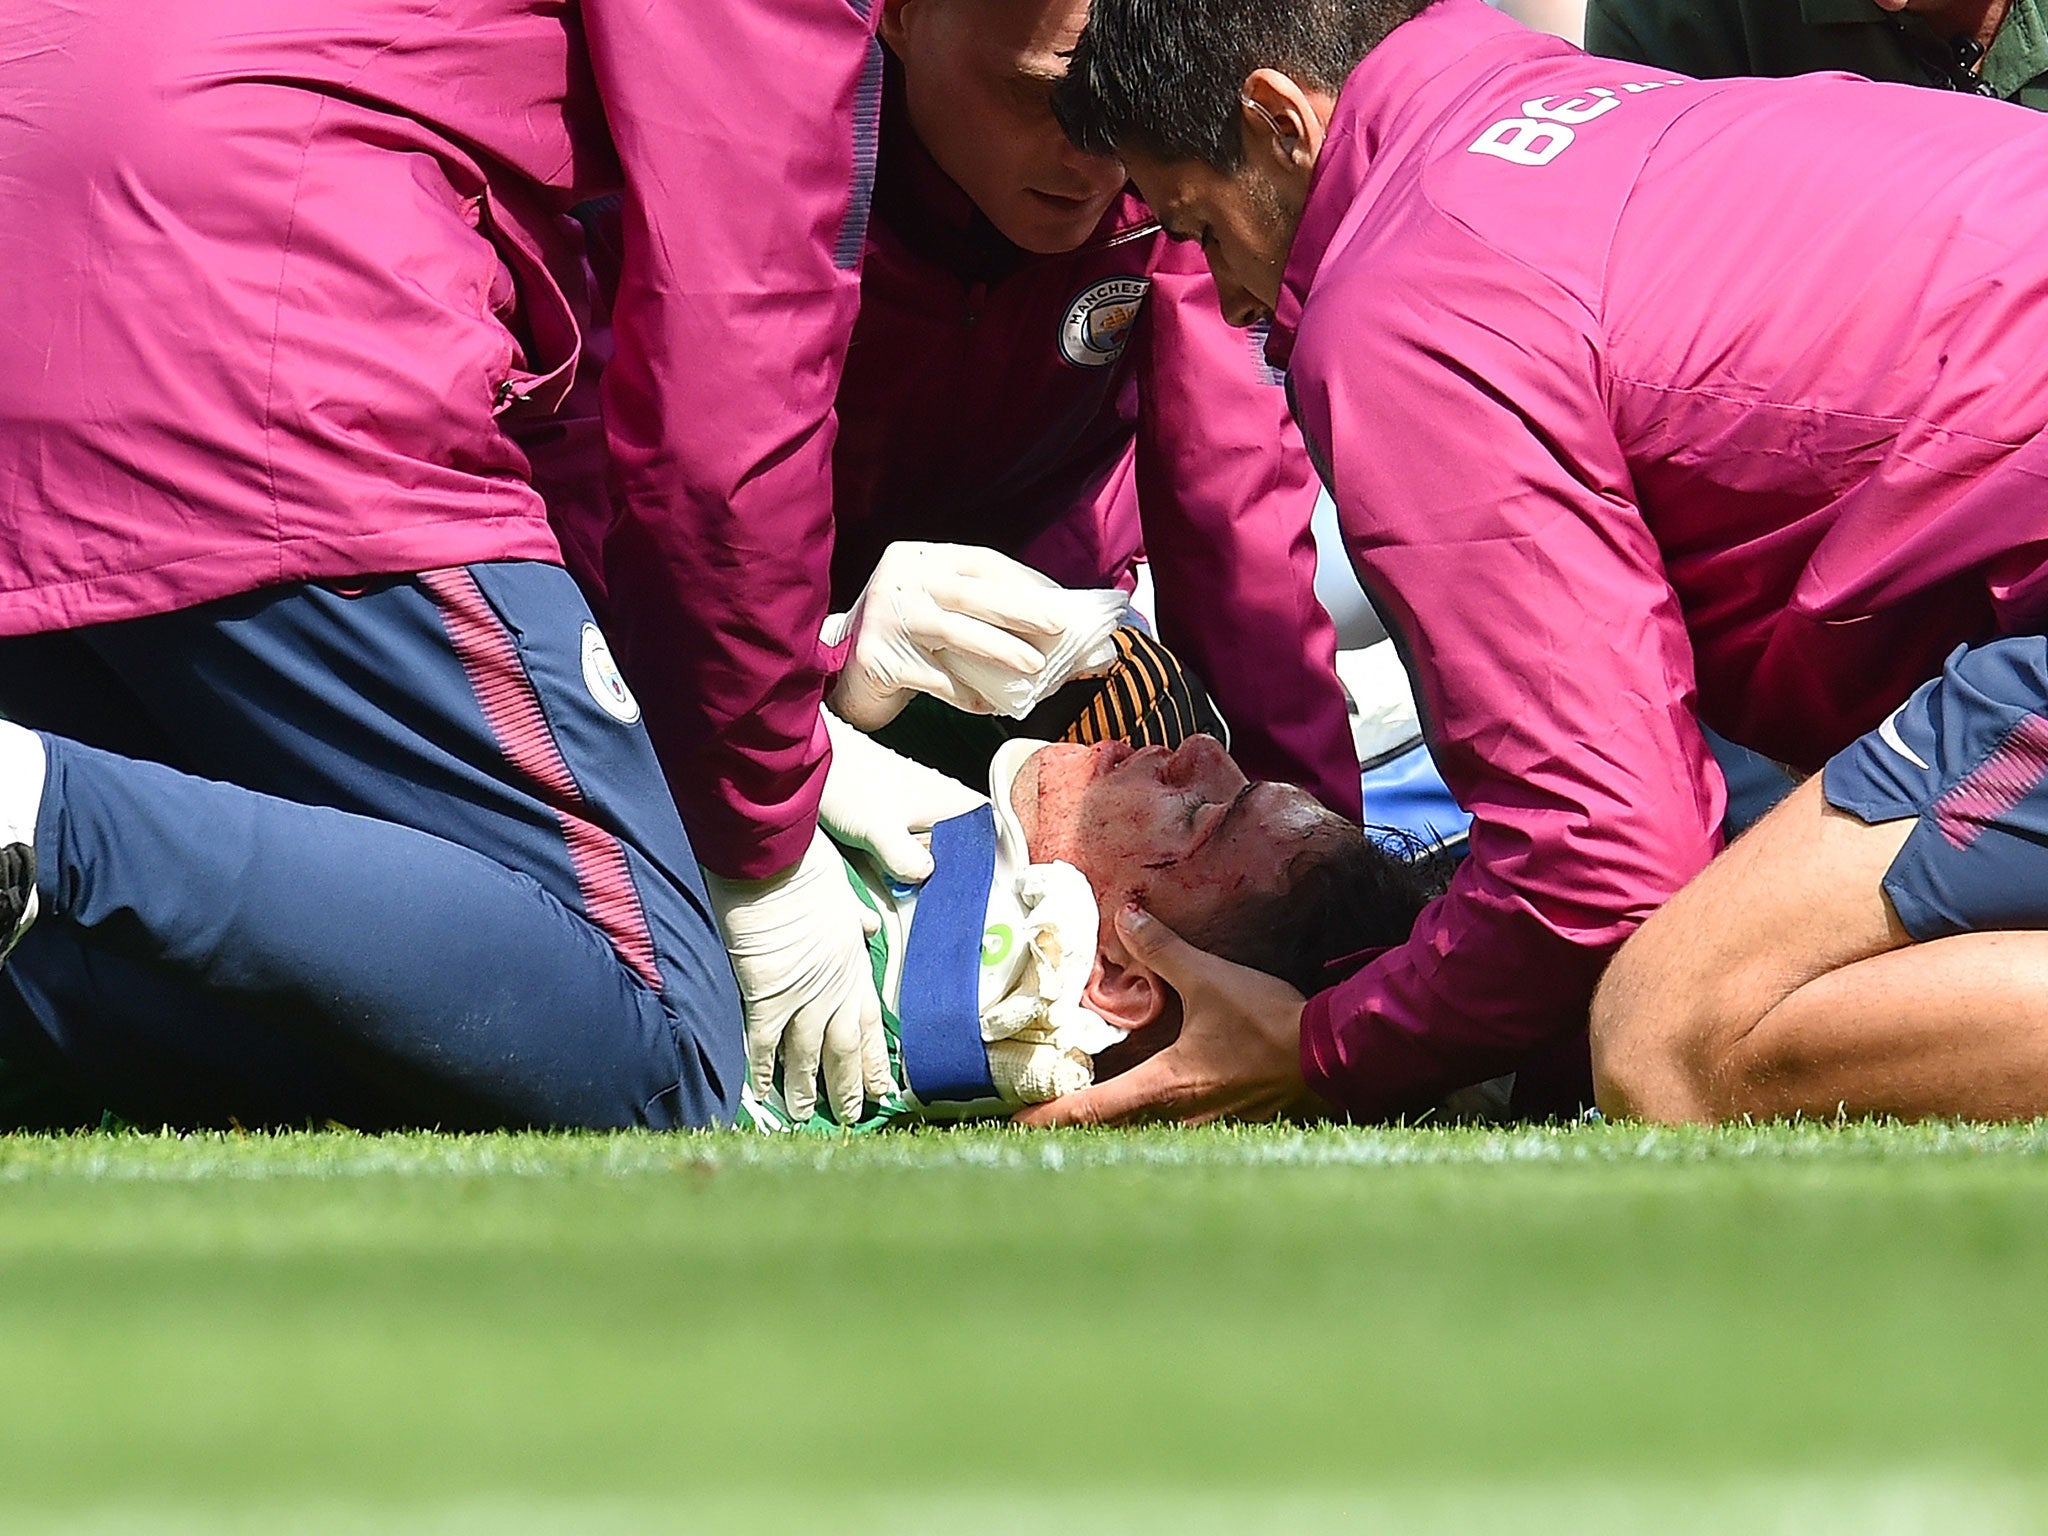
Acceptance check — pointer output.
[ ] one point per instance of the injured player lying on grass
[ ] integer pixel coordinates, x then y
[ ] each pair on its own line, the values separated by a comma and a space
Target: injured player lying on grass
1002, 977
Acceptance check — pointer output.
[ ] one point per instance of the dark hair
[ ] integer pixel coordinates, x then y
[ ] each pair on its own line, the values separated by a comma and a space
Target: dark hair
1354, 890
1166, 75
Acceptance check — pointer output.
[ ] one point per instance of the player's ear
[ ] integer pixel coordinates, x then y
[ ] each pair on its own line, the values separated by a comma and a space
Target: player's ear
1125, 992
1281, 119
898, 16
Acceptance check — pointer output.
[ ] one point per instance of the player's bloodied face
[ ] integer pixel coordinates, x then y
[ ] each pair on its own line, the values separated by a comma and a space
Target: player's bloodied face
978, 77
1184, 833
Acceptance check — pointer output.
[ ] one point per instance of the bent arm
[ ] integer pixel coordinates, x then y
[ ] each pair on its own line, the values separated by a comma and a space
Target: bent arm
744, 132
1487, 506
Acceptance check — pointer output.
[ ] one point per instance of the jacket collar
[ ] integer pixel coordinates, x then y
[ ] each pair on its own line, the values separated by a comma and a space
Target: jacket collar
2018, 53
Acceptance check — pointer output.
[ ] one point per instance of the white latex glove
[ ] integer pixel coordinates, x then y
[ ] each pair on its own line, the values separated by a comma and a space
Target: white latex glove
966, 625
879, 800
798, 942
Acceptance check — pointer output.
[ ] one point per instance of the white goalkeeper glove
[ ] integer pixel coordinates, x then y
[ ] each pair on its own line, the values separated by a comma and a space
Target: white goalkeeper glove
968, 626
880, 801
798, 943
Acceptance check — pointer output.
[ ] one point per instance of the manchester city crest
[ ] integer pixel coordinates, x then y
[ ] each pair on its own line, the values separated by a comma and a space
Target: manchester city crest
601, 677
1099, 321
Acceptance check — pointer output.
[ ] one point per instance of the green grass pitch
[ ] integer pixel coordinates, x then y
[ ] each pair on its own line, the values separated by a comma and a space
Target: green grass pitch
1592, 1329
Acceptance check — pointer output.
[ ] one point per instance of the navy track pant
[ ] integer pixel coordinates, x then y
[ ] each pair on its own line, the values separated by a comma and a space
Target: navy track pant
1966, 755
395, 853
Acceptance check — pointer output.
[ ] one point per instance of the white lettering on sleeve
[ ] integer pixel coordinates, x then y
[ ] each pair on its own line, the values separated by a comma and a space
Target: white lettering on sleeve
1544, 130
1523, 141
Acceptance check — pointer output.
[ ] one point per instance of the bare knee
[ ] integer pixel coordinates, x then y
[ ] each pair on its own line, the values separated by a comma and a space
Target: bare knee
1795, 898
1644, 1066
1667, 1030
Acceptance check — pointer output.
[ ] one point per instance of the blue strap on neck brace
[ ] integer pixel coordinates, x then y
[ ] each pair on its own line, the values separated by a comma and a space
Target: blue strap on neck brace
939, 1005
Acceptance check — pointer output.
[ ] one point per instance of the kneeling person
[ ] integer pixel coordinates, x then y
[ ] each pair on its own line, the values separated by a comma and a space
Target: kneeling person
1873, 947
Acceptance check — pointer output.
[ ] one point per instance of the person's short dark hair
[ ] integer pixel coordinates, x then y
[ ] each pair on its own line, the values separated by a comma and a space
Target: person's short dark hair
1349, 894
1165, 75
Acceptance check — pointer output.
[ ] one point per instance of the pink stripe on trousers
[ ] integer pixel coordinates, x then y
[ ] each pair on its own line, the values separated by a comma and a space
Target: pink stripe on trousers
512, 709
2011, 773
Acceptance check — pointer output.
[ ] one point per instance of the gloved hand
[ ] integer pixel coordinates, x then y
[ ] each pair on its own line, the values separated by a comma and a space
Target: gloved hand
798, 942
968, 626
879, 800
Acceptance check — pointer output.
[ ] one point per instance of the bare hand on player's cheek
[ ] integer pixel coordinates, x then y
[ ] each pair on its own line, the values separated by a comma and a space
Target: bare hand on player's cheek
1238, 1056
